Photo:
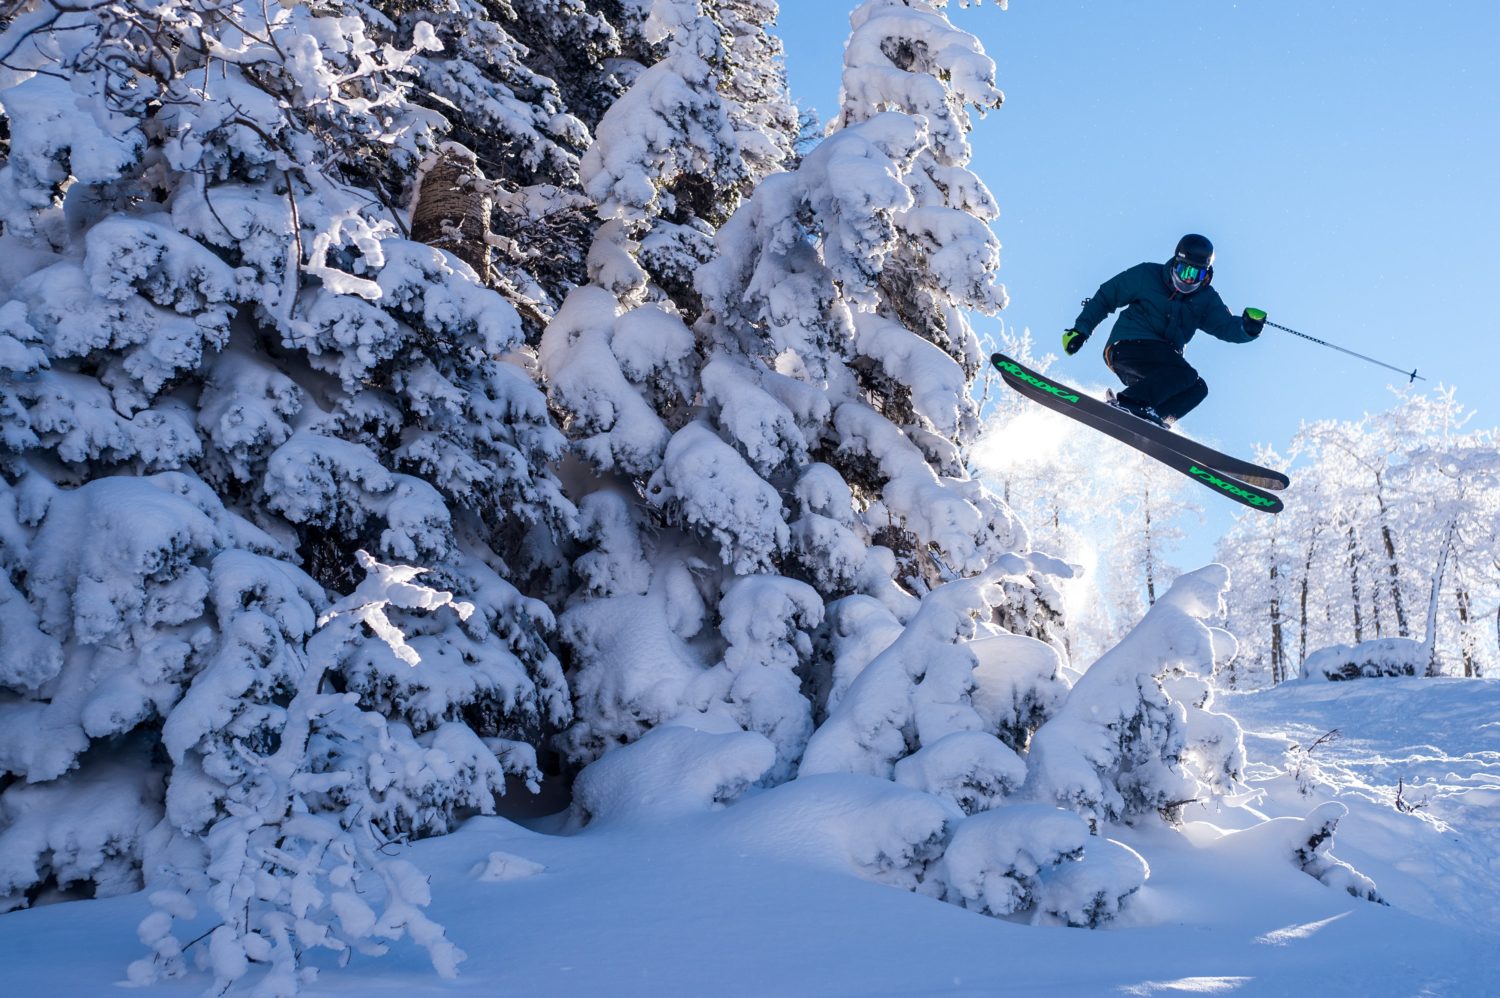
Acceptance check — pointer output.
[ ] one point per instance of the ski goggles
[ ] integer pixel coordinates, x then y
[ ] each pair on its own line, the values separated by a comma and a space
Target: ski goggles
1189, 273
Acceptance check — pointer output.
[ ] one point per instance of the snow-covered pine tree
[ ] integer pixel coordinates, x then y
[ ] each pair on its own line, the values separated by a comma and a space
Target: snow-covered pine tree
846, 418
1136, 736
296, 862
224, 372
705, 117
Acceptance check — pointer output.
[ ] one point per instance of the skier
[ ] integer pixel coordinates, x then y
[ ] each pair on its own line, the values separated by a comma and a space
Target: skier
1164, 305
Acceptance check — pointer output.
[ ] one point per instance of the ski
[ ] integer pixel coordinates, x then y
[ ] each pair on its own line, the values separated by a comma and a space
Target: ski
1229, 476
1026, 381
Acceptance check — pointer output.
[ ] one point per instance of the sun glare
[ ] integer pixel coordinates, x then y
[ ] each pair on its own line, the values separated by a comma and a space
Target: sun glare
1034, 438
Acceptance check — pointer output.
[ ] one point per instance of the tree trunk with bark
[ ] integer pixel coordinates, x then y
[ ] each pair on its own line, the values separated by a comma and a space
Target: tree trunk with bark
1278, 649
1307, 564
1403, 626
1434, 668
453, 206
1359, 627
1150, 564
1465, 635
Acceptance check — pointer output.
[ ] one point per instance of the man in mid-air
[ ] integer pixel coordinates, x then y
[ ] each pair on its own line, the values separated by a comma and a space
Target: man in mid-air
1164, 305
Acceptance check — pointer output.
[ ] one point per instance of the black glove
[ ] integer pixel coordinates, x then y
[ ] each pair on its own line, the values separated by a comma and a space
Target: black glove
1073, 341
1254, 320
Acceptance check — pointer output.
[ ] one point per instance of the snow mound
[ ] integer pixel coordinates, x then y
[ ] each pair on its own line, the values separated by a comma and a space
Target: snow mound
1368, 659
1416, 762
1038, 859
862, 824
670, 772
1307, 842
506, 866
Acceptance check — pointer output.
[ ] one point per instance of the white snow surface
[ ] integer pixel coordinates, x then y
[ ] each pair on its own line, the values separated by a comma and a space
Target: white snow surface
780, 893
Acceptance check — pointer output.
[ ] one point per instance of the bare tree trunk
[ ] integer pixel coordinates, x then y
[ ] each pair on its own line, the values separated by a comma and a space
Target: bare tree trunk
1375, 616
1359, 627
453, 206
1433, 667
1278, 649
1312, 546
1150, 564
1465, 636
1278, 653
1403, 627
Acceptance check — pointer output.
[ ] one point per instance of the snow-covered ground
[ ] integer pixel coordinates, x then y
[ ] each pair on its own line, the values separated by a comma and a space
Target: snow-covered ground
753, 900
1436, 742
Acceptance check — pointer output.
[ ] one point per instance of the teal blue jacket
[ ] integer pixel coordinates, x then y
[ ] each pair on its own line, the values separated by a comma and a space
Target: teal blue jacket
1154, 310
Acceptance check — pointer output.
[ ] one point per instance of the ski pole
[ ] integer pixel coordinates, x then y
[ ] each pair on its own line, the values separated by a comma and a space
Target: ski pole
1412, 375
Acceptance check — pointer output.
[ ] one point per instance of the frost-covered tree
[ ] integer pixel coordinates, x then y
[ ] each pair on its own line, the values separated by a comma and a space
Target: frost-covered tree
295, 864
1135, 735
827, 443
705, 117
1383, 546
223, 371
799, 430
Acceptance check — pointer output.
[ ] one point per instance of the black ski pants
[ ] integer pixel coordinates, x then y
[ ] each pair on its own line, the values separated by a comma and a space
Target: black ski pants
1156, 375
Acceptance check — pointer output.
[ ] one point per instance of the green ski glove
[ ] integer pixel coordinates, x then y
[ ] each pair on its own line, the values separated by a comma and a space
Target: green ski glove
1255, 321
1073, 341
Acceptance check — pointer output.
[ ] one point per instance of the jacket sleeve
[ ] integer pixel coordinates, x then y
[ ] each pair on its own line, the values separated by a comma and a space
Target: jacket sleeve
1112, 294
1215, 319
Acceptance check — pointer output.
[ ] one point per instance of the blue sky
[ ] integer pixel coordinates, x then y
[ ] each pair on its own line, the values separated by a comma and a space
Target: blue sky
1343, 157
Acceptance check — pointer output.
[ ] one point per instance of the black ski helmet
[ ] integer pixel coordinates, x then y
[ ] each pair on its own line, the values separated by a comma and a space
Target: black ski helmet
1192, 265
1195, 249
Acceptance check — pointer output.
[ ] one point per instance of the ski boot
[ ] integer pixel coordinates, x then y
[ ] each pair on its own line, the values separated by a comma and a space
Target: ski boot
1145, 412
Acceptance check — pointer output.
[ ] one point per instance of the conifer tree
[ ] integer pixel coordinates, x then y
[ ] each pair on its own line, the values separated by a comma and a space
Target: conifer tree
223, 372
705, 117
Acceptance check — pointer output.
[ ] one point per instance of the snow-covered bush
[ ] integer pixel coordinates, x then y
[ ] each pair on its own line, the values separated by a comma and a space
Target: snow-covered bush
1121, 746
913, 694
281, 870
87, 827
1368, 659
871, 827
1019, 683
972, 769
1041, 862
672, 771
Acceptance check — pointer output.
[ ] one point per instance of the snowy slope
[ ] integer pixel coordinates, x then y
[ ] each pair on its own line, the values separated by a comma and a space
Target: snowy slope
1437, 741
758, 898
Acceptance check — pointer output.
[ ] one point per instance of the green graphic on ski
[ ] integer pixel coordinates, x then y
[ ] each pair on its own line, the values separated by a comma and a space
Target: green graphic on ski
1232, 477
